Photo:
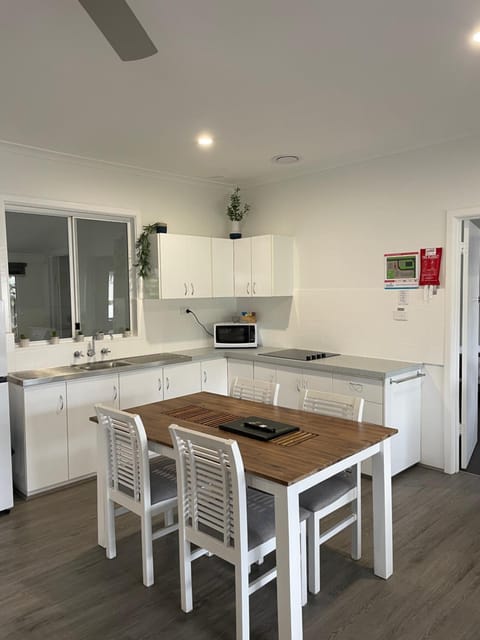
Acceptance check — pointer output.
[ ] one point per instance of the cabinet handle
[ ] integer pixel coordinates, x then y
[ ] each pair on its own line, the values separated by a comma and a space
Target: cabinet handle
168, 383
254, 289
298, 386
419, 374
204, 376
248, 288
61, 404
115, 392
356, 386
192, 288
159, 384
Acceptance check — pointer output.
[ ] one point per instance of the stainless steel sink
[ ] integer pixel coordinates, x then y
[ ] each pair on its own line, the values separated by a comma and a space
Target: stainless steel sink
98, 366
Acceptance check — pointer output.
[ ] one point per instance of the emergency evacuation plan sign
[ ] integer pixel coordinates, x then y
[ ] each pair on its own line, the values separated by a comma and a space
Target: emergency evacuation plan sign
401, 270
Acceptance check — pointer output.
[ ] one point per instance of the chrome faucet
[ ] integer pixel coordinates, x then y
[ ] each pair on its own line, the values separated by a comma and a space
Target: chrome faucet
91, 346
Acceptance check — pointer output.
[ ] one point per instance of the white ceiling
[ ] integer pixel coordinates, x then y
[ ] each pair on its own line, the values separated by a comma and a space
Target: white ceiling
334, 81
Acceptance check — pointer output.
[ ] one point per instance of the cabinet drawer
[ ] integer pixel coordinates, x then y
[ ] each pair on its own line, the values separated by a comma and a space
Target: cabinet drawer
370, 390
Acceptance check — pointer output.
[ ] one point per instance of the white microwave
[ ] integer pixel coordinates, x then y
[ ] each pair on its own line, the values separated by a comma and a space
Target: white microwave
234, 334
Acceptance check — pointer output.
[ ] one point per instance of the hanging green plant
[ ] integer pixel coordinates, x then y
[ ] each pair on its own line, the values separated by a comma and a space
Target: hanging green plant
143, 249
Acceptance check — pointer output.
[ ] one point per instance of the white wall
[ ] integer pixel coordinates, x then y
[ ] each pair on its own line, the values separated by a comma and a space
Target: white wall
344, 220
187, 206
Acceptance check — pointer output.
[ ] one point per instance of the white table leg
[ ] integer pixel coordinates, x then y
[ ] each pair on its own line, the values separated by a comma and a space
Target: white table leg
289, 584
382, 512
102, 541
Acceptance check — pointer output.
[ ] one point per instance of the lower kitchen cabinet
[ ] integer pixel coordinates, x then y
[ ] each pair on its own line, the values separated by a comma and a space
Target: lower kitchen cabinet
214, 376
140, 387
39, 436
238, 369
82, 395
181, 379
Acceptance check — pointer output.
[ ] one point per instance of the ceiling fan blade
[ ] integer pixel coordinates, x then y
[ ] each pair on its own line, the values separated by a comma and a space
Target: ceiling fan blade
121, 28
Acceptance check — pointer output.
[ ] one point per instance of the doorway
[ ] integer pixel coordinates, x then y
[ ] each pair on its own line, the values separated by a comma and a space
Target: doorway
462, 284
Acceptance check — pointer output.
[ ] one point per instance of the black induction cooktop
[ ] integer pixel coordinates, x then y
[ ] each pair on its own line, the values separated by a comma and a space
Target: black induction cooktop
299, 354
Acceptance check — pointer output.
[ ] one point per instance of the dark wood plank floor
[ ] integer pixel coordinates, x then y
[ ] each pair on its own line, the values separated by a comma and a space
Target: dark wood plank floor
56, 584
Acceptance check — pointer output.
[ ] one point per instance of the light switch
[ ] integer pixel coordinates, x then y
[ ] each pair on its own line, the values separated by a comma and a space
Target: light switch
400, 313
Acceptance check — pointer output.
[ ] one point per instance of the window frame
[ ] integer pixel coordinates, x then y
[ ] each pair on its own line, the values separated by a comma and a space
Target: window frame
72, 212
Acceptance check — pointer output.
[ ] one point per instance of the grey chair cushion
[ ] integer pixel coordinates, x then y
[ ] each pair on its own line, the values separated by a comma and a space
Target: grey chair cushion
328, 491
261, 517
163, 479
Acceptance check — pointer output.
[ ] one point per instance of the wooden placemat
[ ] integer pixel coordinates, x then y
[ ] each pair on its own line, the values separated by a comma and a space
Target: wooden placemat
207, 417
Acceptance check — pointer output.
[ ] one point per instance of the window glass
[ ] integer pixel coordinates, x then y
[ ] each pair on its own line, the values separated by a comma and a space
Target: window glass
39, 275
103, 284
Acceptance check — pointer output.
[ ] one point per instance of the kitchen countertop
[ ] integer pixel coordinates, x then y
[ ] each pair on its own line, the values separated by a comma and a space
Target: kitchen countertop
344, 365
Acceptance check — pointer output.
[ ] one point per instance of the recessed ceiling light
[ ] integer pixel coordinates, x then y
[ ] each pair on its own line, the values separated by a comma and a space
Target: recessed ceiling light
205, 140
285, 159
476, 37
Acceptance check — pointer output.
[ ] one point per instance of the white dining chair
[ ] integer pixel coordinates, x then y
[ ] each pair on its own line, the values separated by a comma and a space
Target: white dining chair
256, 390
336, 492
220, 515
145, 487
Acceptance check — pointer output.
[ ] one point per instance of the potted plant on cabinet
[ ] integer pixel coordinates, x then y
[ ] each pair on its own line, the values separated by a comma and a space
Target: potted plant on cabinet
142, 247
236, 213
24, 341
54, 339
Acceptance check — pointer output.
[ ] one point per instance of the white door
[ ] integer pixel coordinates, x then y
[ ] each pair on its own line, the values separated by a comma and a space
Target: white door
222, 268
82, 395
291, 383
199, 258
140, 387
471, 282
46, 435
214, 376
262, 266
181, 380
242, 269
174, 266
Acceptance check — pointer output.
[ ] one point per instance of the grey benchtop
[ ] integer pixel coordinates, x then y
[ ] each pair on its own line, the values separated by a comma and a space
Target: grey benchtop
345, 365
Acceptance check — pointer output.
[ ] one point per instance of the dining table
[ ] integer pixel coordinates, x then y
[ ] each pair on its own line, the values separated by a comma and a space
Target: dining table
283, 467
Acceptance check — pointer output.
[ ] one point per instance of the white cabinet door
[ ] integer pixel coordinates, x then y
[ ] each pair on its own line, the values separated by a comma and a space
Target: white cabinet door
45, 436
238, 369
318, 381
174, 266
403, 412
140, 387
261, 265
181, 379
214, 376
291, 382
264, 372
199, 251
185, 266
82, 395
242, 260
222, 268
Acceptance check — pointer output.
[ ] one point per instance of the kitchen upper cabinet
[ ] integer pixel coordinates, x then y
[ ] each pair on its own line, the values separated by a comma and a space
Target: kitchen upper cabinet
263, 266
140, 387
181, 380
181, 267
222, 268
82, 395
214, 376
39, 436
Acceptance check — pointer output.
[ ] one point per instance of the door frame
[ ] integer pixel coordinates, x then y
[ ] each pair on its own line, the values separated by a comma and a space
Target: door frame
453, 304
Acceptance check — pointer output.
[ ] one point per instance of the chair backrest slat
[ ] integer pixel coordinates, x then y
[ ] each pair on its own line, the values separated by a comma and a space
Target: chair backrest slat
126, 451
211, 486
255, 390
332, 404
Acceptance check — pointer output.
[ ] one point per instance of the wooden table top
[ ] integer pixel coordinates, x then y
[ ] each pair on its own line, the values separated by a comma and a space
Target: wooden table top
321, 441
